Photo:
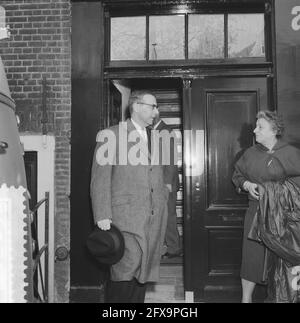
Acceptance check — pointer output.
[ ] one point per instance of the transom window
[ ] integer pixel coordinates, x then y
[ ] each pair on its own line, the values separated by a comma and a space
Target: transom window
187, 37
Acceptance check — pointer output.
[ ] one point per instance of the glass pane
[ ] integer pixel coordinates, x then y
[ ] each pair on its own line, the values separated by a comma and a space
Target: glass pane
246, 35
166, 37
128, 38
206, 36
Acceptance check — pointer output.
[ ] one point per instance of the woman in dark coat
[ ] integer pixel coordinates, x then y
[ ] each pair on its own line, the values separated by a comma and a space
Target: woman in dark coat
271, 159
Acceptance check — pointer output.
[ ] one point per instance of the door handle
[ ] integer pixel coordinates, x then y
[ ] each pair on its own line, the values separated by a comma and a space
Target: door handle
197, 186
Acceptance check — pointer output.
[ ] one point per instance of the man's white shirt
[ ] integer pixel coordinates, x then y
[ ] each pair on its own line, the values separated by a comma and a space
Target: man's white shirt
141, 131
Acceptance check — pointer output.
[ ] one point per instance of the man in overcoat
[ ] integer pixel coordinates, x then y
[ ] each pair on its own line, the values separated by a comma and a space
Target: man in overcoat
128, 191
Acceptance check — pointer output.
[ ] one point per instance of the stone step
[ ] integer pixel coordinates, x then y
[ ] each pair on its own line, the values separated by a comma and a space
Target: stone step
164, 293
170, 288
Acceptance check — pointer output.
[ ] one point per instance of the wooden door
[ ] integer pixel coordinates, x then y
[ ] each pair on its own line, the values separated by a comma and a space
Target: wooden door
221, 113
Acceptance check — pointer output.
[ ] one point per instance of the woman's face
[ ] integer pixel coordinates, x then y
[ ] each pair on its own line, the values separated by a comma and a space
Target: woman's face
264, 131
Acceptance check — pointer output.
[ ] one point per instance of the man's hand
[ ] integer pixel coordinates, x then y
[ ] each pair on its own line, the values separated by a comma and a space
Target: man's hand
252, 188
169, 186
104, 224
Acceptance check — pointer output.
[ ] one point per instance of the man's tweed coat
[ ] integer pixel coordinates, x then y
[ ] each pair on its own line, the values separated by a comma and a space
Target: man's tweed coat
135, 198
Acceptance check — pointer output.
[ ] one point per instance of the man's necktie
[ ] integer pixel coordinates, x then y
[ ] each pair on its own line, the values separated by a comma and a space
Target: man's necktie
148, 130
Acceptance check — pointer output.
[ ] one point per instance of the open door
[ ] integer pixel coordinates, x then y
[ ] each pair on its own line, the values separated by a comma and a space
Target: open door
221, 113
118, 97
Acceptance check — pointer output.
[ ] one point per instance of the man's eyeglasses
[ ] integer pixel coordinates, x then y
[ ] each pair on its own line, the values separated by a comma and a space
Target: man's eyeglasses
153, 106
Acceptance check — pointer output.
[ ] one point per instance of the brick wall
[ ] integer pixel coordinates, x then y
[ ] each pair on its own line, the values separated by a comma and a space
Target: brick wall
40, 47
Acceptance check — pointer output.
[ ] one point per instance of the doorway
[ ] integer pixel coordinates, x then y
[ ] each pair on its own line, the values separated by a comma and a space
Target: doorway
214, 117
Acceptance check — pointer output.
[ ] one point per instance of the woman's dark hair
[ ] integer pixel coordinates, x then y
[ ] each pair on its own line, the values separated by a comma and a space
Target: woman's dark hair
274, 119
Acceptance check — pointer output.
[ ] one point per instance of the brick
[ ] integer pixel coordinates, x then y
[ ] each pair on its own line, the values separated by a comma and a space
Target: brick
27, 31
27, 38
28, 25
36, 44
36, 76
14, 12
9, 63
46, 37
27, 56
43, 31
37, 25
36, 62
37, 50
18, 38
5, 53
27, 88
16, 69
46, 56
37, 12
36, 69
9, 7
36, 18
12, 20
36, 37
17, 63
46, 50
34, 95
28, 6
46, 5
17, 26
46, 12
27, 63
18, 50
27, 50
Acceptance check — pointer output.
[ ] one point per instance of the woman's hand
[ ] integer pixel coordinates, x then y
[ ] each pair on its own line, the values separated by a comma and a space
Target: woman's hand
252, 188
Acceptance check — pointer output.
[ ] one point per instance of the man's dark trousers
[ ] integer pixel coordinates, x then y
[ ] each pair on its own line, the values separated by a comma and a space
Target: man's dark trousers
125, 291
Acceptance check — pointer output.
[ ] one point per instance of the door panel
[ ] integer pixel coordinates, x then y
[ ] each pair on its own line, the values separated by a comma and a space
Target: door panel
224, 110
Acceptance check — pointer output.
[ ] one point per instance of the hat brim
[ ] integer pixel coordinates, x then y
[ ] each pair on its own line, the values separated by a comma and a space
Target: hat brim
107, 247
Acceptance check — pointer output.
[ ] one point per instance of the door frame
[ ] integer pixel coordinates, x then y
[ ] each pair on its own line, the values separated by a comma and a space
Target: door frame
90, 76
187, 71
265, 71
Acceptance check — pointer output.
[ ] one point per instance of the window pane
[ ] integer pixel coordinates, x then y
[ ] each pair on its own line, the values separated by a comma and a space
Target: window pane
246, 35
206, 36
128, 38
166, 37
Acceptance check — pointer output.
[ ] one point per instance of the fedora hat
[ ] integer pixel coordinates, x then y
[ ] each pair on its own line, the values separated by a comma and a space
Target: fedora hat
108, 246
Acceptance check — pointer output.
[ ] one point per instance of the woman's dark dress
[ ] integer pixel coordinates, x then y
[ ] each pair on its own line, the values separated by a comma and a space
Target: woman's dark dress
258, 165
